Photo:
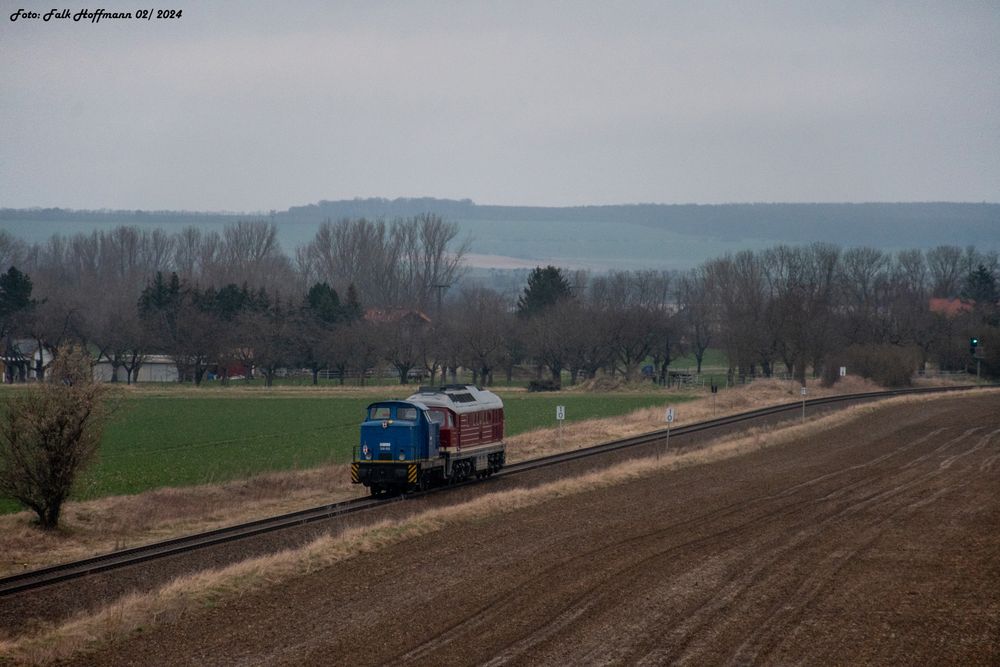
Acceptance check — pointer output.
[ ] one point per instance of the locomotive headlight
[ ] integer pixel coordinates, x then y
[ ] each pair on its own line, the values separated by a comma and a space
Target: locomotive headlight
402, 456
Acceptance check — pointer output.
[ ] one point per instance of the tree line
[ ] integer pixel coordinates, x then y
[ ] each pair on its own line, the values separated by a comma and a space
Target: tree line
369, 293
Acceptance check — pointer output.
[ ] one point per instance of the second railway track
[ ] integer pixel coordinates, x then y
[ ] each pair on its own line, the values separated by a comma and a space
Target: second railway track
48, 576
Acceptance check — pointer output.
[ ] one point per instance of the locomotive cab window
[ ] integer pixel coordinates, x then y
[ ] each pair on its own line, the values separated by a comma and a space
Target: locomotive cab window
441, 417
379, 412
408, 414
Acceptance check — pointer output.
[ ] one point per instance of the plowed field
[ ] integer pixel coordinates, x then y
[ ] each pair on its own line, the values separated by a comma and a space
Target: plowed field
877, 542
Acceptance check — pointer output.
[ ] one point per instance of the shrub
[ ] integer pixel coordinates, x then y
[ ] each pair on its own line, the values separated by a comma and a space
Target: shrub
888, 365
544, 385
49, 433
831, 374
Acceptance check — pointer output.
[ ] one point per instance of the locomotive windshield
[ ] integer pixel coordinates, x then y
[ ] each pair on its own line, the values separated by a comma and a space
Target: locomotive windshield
384, 412
379, 412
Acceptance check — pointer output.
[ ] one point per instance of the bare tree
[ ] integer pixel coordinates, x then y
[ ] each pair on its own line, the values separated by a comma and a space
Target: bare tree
481, 329
250, 253
397, 264
12, 250
402, 343
49, 433
271, 337
697, 312
365, 346
862, 279
196, 253
945, 266
588, 338
633, 338
546, 335
740, 290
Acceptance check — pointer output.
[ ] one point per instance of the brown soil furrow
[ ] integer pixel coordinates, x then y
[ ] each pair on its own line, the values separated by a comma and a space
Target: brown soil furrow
772, 573
719, 601
696, 621
947, 463
617, 553
910, 495
787, 613
619, 558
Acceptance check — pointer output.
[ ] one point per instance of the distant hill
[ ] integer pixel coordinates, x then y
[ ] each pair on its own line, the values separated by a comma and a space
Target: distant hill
877, 224
626, 235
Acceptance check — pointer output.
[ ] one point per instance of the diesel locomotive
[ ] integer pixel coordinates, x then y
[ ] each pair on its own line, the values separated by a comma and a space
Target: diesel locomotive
438, 435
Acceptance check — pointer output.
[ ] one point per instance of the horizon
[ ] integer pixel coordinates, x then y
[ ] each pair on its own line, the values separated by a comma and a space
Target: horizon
262, 212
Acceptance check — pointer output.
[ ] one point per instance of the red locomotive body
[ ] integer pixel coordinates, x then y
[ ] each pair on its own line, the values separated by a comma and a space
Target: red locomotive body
469, 417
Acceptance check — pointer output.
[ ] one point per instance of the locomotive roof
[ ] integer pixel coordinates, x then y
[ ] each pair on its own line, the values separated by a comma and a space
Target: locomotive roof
459, 398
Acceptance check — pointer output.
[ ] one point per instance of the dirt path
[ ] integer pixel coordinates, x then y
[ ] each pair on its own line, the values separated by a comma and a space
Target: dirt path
878, 542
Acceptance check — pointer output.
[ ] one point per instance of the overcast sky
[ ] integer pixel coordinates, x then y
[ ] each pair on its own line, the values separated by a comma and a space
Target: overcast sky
246, 106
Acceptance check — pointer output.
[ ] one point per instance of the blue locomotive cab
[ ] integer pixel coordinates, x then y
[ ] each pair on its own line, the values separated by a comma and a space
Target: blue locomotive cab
398, 431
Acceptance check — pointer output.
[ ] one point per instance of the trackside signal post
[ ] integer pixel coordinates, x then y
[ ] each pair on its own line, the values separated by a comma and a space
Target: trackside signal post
560, 416
976, 351
669, 418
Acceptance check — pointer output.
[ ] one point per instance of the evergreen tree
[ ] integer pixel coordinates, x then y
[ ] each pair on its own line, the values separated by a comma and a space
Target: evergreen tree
15, 297
159, 294
980, 287
546, 287
324, 303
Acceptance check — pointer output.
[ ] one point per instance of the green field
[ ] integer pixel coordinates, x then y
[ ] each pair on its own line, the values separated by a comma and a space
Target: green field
160, 440
714, 358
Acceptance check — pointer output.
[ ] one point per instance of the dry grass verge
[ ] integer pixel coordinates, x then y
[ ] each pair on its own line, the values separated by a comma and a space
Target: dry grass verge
739, 399
118, 522
194, 593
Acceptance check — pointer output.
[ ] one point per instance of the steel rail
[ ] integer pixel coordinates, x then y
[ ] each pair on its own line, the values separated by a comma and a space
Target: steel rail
655, 436
70, 570
54, 574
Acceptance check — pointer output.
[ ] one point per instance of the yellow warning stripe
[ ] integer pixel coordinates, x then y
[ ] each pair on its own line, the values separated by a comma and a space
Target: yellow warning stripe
354, 473
411, 475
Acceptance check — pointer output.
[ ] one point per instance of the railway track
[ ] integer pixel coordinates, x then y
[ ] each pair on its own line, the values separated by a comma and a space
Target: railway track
48, 576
